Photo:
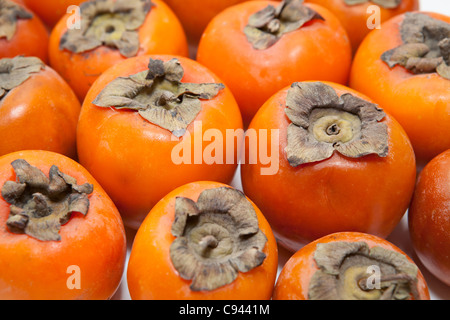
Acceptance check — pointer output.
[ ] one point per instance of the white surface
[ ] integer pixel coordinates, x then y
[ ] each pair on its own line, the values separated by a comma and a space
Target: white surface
400, 236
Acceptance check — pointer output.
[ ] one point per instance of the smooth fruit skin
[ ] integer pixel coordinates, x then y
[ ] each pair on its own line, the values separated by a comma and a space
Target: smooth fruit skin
132, 158
293, 281
320, 50
30, 39
419, 102
51, 11
40, 114
355, 18
161, 33
151, 275
92, 247
369, 194
429, 217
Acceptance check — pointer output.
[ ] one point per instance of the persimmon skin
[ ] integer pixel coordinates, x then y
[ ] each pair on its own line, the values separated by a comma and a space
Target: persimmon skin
355, 18
161, 33
418, 102
95, 243
320, 50
30, 39
293, 281
132, 158
369, 194
50, 11
429, 217
40, 114
151, 274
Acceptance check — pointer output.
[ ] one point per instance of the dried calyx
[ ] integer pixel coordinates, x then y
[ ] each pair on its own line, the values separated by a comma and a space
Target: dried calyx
267, 26
353, 271
216, 238
10, 12
425, 48
159, 96
388, 4
112, 23
14, 71
41, 204
323, 122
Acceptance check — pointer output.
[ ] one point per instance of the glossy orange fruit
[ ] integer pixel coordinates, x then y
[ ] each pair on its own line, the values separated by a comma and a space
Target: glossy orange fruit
83, 258
304, 277
151, 270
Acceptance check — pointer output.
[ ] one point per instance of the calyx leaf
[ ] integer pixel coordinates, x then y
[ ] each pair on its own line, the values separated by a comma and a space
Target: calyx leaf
425, 48
112, 23
268, 25
159, 96
10, 12
388, 4
323, 122
40, 205
216, 238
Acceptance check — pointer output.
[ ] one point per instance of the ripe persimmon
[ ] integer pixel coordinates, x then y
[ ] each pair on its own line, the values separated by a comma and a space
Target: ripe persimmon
429, 217
38, 110
344, 164
50, 11
350, 266
405, 67
142, 127
61, 237
203, 241
360, 17
111, 31
267, 45
21, 32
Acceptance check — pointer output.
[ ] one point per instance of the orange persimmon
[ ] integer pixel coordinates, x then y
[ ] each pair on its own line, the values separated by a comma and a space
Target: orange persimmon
126, 29
50, 11
203, 241
344, 164
263, 49
350, 266
408, 77
38, 110
152, 123
429, 217
61, 237
21, 32
360, 18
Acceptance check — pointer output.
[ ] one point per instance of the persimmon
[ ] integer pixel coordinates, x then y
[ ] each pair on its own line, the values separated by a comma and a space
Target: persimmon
110, 32
61, 237
360, 17
344, 164
410, 78
203, 241
142, 127
21, 32
267, 45
350, 266
51, 11
38, 110
429, 217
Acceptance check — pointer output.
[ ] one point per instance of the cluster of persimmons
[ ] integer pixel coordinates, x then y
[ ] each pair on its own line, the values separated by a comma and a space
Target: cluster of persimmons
95, 95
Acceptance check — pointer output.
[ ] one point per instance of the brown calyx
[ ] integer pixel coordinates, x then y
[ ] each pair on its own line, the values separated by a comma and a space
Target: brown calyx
425, 48
112, 23
10, 12
268, 25
353, 271
323, 122
159, 96
40, 205
388, 4
14, 71
216, 238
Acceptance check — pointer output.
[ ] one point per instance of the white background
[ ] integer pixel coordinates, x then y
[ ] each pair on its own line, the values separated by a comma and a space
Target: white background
399, 237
